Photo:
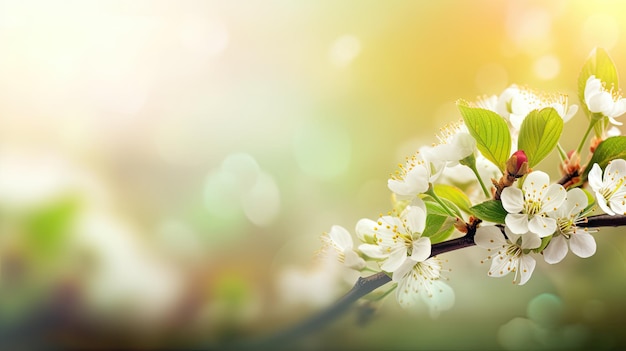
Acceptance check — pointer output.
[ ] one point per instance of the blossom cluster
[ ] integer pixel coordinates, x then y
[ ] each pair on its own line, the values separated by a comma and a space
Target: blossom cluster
480, 182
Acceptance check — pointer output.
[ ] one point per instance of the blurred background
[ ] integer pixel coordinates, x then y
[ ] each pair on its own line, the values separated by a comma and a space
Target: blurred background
167, 167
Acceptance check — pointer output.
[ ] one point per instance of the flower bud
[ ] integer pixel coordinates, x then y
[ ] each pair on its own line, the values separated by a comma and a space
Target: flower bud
460, 225
517, 164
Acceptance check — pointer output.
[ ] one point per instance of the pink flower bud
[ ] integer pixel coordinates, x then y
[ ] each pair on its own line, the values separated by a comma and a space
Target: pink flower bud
517, 165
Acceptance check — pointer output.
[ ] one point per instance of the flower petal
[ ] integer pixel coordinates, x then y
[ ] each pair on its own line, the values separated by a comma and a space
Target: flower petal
556, 250
619, 108
603, 204
529, 240
542, 226
402, 271
595, 177
340, 236
489, 237
365, 230
502, 265
440, 299
415, 182
512, 200
615, 170
600, 103
575, 203
535, 184
526, 267
553, 197
593, 86
571, 111
415, 219
353, 260
395, 260
373, 251
517, 222
421, 249
582, 244
618, 204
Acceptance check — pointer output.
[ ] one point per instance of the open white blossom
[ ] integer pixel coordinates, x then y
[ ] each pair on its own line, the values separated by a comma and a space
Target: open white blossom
512, 253
515, 103
600, 100
339, 238
412, 178
609, 188
397, 239
488, 103
528, 208
455, 144
421, 282
567, 217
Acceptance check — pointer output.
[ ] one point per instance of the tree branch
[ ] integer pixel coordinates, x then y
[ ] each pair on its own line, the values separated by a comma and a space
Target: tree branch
604, 221
365, 285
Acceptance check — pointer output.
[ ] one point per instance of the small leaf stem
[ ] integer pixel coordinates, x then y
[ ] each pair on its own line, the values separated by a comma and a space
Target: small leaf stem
592, 122
431, 192
562, 152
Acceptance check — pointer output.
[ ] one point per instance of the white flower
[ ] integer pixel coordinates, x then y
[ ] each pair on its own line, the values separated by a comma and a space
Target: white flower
610, 191
567, 217
463, 175
515, 103
488, 103
410, 179
339, 238
455, 144
513, 252
397, 239
420, 282
600, 100
527, 208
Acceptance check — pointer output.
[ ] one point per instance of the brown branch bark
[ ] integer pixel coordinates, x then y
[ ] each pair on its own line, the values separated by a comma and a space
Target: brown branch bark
365, 285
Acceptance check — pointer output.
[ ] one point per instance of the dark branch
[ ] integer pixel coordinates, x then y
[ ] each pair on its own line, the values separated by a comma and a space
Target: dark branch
366, 285
604, 221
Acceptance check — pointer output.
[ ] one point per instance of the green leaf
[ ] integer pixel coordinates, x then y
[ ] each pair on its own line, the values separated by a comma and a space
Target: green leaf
454, 195
490, 210
610, 149
539, 134
591, 200
434, 222
490, 131
439, 225
442, 235
599, 64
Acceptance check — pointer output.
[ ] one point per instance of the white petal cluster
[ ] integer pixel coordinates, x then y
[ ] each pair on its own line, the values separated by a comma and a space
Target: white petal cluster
511, 253
397, 239
412, 178
421, 283
528, 207
609, 188
396, 242
603, 101
455, 144
579, 241
515, 103
339, 238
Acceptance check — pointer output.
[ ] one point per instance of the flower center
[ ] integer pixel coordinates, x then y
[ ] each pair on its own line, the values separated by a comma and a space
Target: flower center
514, 250
448, 132
532, 207
402, 171
608, 192
565, 226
